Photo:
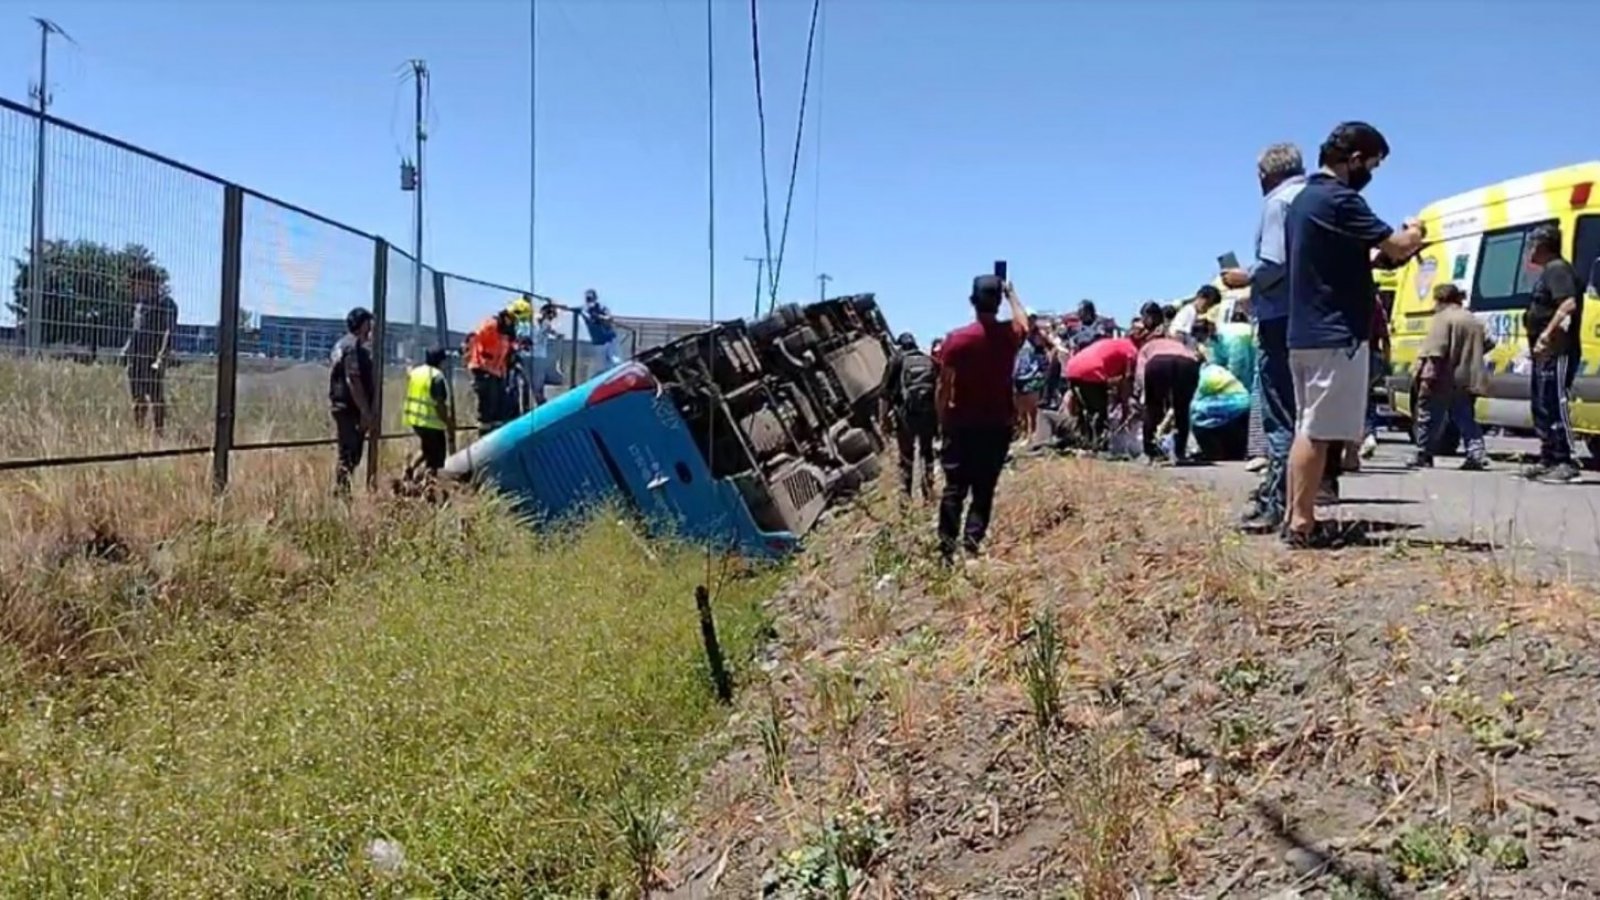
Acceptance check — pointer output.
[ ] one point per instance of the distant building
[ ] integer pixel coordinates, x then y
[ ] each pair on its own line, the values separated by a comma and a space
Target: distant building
648, 332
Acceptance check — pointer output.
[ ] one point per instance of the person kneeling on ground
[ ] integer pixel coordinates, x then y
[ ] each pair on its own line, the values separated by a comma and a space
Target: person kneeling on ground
1168, 374
1221, 415
1097, 375
427, 412
1450, 377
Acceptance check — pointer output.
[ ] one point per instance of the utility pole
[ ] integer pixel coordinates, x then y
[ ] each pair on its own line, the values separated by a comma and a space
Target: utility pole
36, 268
411, 180
533, 143
822, 286
761, 264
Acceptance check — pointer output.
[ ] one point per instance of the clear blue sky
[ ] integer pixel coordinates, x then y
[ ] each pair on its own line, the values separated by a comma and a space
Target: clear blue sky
1106, 150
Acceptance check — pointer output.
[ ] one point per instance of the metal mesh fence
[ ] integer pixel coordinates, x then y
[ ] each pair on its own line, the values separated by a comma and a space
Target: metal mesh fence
411, 328
162, 288
118, 300
300, 277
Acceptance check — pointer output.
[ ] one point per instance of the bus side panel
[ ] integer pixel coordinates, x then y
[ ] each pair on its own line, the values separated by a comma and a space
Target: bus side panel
646, 445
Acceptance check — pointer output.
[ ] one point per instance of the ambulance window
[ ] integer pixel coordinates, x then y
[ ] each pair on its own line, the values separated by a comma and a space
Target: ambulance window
1586, 248
1504, 281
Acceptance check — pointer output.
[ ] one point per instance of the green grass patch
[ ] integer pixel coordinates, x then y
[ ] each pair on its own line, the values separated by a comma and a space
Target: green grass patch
477, 696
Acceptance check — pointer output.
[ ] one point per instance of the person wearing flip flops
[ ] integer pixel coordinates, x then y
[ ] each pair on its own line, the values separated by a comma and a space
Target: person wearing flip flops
1330, 233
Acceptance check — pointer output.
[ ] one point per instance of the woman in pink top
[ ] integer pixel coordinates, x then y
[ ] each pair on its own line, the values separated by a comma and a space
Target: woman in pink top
1169, 375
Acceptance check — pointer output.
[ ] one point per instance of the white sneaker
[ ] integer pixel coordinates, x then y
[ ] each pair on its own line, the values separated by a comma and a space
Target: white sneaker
1256, 465
1369, 446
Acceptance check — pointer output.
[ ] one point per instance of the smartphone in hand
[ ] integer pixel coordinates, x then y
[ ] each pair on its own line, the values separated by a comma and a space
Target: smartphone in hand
1227, 261
1000, 271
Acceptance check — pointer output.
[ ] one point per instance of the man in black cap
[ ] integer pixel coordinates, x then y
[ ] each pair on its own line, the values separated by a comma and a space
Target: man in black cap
909, 385
976, 415
352, 394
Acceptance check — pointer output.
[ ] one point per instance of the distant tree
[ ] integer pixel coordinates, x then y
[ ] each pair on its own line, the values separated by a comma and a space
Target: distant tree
87, 292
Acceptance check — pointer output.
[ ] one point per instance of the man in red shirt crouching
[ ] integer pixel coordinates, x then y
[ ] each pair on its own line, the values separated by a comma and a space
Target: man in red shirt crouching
976, 415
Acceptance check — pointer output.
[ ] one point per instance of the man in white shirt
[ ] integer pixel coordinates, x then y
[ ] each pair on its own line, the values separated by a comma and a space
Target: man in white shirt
1183, 323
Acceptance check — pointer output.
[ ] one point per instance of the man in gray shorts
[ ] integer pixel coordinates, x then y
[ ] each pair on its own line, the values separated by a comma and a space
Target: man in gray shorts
1330, 233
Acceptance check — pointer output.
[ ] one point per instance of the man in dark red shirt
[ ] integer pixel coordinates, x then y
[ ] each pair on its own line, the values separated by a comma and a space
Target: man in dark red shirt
976, 415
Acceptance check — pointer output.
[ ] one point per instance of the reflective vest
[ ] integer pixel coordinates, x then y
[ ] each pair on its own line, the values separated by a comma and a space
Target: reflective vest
421, 409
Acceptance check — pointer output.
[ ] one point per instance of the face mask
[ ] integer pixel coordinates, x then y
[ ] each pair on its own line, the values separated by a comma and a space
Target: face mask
1358, 178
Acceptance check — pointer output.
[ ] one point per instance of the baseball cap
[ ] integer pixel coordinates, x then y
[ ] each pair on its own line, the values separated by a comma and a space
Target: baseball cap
987, 286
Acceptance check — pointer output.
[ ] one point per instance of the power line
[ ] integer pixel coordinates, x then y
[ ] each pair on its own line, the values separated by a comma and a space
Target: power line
794, 162
816, 164
761, 119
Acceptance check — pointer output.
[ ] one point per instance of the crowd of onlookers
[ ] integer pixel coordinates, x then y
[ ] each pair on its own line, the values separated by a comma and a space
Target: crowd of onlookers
1285, 377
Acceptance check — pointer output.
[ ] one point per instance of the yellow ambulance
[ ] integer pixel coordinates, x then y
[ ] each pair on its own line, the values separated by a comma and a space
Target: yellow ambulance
1478, 241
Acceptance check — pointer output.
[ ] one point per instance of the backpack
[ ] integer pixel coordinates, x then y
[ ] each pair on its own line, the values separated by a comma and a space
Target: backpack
919, 376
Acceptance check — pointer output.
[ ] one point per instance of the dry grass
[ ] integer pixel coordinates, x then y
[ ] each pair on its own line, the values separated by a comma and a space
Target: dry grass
276, 692
69, 409
1229, 719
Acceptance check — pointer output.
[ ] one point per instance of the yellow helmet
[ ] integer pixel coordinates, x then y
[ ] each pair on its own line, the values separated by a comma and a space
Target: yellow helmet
521, 308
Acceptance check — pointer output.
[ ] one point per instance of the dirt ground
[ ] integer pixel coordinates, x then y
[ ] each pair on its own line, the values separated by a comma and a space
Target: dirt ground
1123, 698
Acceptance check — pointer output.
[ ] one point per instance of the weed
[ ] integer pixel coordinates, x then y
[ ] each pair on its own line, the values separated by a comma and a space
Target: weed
1042, 672
641, 827
1497, 730
774, 737
1244, 677
1425, 853
836, 698
1241, 738
833, 862
1108, 801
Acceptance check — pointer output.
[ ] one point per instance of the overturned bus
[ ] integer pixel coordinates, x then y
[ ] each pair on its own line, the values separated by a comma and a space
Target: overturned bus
739, 436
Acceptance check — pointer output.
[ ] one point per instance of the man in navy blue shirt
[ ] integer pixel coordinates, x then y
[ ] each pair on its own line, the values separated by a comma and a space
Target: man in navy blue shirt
1330, 233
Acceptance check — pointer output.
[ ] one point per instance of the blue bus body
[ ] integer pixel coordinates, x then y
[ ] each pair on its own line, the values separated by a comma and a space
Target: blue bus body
618, 436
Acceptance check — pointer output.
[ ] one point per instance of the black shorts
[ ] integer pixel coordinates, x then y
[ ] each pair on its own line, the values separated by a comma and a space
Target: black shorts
145, 382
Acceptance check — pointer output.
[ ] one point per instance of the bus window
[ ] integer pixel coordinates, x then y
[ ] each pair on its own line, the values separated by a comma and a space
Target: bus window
1504, 280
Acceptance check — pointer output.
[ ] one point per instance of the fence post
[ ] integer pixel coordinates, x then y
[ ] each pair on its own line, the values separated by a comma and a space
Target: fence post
572, 371
228, 335
441, 319
380, 354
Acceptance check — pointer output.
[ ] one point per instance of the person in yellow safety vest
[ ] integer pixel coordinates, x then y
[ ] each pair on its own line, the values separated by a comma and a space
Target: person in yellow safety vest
427, 409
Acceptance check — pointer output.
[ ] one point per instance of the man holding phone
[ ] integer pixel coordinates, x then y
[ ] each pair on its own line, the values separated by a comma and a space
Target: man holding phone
976, 410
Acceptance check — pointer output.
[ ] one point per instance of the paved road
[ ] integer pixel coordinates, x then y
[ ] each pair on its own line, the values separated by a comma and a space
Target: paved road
1551, 525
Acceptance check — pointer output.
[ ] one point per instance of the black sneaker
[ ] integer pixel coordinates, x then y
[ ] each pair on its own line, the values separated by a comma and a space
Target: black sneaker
1561, 473
1322, 536
1535, 472
1261, 521
1420, 462
1474, 464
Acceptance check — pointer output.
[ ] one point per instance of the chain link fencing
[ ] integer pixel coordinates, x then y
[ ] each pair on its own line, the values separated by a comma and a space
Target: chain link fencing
153, 309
